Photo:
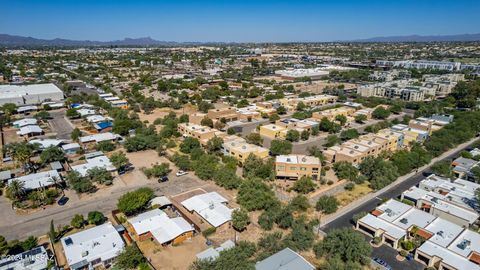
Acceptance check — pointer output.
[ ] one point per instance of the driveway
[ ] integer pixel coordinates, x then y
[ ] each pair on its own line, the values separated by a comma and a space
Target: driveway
60, 124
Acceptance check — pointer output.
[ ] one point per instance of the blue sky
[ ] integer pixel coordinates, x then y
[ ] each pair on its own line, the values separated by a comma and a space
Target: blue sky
237, 21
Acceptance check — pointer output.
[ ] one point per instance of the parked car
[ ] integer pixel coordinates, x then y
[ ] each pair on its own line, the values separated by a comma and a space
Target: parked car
163, 179
62, 201
181, 173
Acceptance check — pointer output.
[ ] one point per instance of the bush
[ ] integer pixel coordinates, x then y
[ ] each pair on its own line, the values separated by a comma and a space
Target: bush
304, 185
77, 221
209, 231
327, 204
349, 186
96, 218
158, 170
135, 201
240, 219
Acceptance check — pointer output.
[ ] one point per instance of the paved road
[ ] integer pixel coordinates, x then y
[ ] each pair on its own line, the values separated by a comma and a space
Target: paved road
60, 124
14, 226
385, 253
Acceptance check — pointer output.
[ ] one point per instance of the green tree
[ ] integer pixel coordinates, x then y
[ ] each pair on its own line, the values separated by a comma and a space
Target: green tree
253, 194
214, 145
254, 138
182, 162
304, 185
51, 154
380, 113
348, 244
360, 118
207, 122
281, 110
135, 201
100, 175
78, 183
332, 140
240, 219
349, 134
119, 160
299, 203
273, 117
95, 217
76, 134
280, 147
342, 119
442, 168
29, 243
158, 170
130, 258
77, 221
345, 170
304, 135
15, 190
292, 135
72, 113
327, 204
105, 146
188, 144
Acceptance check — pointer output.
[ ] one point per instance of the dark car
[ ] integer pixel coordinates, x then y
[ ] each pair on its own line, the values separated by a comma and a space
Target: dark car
163, 179
63, 200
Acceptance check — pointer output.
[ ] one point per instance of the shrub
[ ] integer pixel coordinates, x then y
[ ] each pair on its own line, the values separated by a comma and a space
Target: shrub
209, 231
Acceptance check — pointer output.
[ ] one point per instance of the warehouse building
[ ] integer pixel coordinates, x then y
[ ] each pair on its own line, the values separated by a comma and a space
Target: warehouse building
29, 94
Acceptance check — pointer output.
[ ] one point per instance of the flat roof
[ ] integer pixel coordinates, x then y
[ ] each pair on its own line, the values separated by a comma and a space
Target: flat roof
100, 137
102, 242
285, 259
210, 206
7, 91
99, 161
465, 243
298, 159
414, 217
386, 226
447, 256
444, 231
392, 209
37, 180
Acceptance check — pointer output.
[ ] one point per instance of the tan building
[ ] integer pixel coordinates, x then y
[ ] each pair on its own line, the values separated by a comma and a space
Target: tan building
240, 149
202, 133
229, 114
330, 114
273, 131
422, 125
311, 101
293, 167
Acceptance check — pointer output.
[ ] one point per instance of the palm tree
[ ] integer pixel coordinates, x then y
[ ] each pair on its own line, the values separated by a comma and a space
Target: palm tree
15, 190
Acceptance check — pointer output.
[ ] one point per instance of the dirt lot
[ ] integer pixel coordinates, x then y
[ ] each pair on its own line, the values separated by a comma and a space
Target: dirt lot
160, 113
173, 257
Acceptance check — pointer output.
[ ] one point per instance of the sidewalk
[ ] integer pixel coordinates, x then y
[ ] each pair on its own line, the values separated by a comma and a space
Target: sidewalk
357, 203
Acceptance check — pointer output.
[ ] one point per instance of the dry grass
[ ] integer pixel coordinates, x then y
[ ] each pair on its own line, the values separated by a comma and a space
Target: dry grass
347, 197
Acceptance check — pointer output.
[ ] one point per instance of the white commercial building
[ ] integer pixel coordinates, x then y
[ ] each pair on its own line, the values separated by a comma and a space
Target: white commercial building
29, 94
97, 246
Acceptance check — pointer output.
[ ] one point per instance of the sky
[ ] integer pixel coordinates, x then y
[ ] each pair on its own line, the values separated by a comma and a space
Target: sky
237, 21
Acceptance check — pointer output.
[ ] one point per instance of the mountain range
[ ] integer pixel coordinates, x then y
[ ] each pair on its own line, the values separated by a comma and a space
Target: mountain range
19, 41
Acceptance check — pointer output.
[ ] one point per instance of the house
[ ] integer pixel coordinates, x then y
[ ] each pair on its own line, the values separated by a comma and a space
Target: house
30, 131
97, 246
211, 207
213, 253
158, 225
34, 259
71, 148
94, 162
24, 122
201, 133
237, 147
46, 143
100, 137
273, 131
122, 104
37, 180
103, 126
86, 112
95, 118
293, 167
285, 259
462, 167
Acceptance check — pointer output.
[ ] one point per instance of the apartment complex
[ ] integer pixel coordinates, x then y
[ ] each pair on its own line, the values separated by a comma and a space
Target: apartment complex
293, 167
312, 101
282, 126
330, 114
238, 148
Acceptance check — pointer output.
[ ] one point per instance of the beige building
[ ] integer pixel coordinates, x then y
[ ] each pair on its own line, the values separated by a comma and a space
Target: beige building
293, 167
229, 114
273, 131
311, 101
330, 114
202, 133
240, 149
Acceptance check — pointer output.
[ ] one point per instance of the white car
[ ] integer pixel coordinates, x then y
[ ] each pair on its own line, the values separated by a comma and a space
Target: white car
180, 173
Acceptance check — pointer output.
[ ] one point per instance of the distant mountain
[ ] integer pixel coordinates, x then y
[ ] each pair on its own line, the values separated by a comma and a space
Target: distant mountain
418, 38
16, 41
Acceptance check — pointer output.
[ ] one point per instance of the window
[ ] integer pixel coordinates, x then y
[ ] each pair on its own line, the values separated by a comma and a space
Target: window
293, 168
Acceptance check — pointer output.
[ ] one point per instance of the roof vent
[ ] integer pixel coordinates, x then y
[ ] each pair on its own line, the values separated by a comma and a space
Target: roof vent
404, 220
464, 244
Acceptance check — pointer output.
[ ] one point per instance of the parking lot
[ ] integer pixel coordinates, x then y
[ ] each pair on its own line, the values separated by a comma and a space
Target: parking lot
60, 124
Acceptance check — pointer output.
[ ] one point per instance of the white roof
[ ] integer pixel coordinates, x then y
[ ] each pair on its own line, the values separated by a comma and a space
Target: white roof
85, 112
163, 228
29, 129
45, 143
392, 209
414, 217
210, 207
161, 201
25, 122
415, 193
213, 253
31, 89
34, 259
27, 108
444, 231
102, 242
438, 202
70, 146
37, 180
447, 256
378, 223
465, 243
99, 161
298, 159
100, 137
95, 118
